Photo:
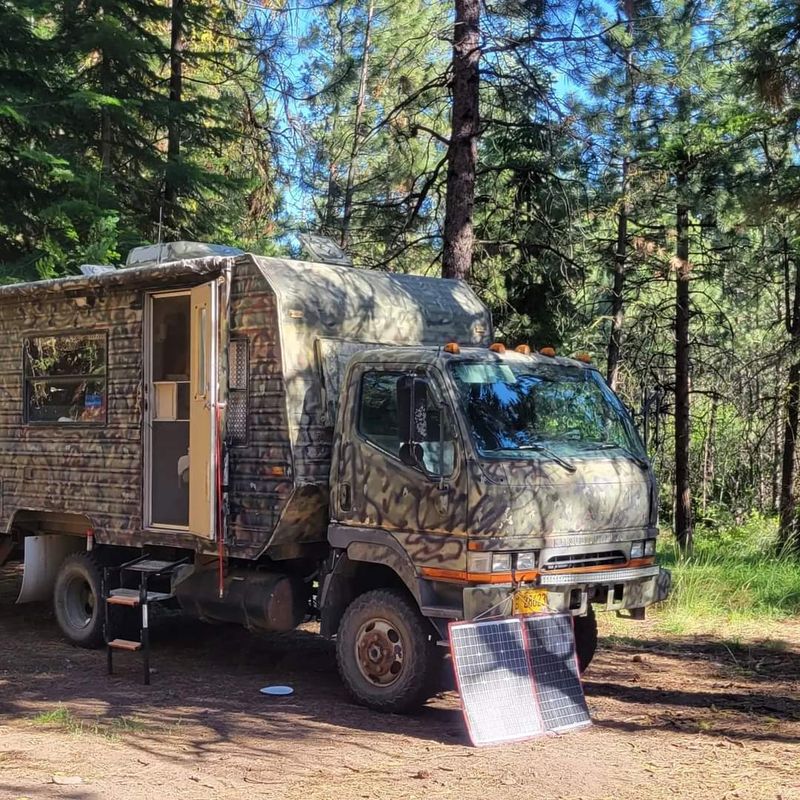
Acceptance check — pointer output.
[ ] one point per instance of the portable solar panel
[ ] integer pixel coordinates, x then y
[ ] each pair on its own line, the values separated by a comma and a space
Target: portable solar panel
494, 680
554, 665
518, 677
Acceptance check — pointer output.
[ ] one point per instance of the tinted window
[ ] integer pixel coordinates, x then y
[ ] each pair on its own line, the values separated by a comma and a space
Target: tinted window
65, 378
378, 422
378, 414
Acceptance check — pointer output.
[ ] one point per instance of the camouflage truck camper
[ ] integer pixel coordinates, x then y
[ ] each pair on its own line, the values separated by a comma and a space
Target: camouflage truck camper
312, 439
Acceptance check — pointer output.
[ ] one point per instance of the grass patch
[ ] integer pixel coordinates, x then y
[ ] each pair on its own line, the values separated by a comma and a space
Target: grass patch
62, 719
734, 575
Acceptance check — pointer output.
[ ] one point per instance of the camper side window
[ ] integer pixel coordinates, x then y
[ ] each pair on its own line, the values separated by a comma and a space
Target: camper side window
65, 378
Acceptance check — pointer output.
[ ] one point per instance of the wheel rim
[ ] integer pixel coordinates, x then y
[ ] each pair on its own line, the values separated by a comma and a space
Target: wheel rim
379, 652
79, 603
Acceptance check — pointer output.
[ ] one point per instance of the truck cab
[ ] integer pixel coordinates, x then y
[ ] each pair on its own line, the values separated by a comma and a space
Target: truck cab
487, 482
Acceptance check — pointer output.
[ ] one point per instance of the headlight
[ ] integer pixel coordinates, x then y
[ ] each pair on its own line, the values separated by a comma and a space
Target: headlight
501, 562
650, 547
526, 561
637, 549
479, 562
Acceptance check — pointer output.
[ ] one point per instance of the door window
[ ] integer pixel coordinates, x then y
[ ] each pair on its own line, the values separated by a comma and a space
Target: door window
378, 412
378, 422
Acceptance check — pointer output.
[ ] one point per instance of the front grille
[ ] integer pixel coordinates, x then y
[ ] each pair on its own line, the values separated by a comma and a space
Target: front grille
575, 560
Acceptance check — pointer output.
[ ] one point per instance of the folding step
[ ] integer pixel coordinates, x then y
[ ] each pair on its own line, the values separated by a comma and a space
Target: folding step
151, 565
125, 644
132, 597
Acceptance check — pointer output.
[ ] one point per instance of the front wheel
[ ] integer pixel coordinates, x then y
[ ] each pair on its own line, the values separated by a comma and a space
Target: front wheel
386, 652
585, 638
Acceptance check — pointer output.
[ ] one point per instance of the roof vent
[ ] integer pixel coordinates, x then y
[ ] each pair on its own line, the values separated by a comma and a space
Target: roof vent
323, 249
153, 254
96, 269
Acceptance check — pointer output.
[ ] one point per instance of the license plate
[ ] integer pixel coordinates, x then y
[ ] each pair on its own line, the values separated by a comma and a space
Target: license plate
530, 601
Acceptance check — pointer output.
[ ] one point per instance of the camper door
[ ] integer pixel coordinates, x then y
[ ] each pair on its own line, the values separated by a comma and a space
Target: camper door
182, 407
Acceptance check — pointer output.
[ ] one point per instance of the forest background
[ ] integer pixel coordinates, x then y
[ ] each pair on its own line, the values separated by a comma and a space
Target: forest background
616, 178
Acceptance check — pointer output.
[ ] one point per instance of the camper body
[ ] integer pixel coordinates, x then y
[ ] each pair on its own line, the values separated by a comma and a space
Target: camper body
313, 438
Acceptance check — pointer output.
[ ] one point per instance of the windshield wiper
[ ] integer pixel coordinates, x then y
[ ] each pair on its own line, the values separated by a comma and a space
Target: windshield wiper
642, 462
540, 448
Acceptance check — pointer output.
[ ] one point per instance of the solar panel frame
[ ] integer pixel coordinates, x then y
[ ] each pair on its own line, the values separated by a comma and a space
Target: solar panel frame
504, 707
550, 647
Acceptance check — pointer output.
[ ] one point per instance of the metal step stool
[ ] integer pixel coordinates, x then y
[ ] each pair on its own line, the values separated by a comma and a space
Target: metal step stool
142, 569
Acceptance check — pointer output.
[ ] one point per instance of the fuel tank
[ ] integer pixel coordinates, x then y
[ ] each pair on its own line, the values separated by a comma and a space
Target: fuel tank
264, 601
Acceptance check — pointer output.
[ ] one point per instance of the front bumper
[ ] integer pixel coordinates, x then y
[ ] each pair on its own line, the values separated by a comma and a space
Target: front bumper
617, 589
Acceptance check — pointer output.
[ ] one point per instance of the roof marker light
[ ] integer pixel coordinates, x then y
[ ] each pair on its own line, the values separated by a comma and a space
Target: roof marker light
548, 351
497, 347
452, 348
525, 349
584, 357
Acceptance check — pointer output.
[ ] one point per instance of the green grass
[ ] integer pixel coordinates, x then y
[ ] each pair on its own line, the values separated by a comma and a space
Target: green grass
63, 719
734, 575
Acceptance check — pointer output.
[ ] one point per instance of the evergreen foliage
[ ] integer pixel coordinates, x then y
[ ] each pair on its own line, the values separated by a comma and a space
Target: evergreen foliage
637, 181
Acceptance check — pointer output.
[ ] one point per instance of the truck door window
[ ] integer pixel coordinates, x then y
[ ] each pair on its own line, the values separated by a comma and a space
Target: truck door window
378, 422
377, 418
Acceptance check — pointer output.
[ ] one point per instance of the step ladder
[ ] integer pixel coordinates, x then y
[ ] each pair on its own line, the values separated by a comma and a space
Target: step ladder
138, 598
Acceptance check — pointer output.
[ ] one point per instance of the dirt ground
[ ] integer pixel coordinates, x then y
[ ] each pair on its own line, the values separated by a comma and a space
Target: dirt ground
681, 717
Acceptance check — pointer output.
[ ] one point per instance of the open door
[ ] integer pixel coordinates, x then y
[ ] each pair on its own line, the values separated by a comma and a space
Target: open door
202, 410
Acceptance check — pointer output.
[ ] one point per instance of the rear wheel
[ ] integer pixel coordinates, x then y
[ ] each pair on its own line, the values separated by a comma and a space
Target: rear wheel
77, 600
386, 653
585, 638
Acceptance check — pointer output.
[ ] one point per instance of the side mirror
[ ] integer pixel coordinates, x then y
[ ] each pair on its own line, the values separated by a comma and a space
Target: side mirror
412, 418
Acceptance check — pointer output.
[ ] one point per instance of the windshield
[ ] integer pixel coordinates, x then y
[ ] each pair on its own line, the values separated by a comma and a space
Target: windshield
540, 410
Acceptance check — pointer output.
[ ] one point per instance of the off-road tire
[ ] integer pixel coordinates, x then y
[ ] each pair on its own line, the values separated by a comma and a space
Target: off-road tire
585, 638
79, 574
420, 675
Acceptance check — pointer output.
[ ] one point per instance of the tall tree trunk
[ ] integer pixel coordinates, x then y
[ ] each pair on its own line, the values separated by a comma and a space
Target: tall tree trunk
788, 537
788, 523
347, 211
618, 288
463, 151
776, 447
683, 497
171, 182
708, 454
105, 116
621, 254
330, 224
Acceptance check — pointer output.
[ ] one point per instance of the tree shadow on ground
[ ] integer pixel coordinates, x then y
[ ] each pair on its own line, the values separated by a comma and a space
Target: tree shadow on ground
207, 680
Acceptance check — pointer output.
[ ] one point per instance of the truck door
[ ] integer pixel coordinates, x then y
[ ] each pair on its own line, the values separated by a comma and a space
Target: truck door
202, 411
419, 497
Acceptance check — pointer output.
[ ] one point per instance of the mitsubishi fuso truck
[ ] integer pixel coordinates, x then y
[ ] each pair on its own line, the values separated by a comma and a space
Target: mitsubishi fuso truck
313, 439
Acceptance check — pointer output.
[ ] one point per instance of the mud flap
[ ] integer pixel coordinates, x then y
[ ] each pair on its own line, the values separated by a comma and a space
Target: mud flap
43, 557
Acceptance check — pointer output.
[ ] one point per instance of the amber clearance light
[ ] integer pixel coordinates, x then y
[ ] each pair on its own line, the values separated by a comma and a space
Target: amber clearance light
548, 351
584, 357
497, 347
452, 348
525, 349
